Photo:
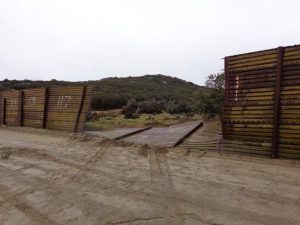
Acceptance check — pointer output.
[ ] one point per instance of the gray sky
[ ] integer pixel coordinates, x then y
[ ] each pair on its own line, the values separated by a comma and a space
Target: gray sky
92, 39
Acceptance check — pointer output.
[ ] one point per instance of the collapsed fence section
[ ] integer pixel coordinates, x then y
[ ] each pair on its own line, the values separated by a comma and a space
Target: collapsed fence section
262, 103
60, 108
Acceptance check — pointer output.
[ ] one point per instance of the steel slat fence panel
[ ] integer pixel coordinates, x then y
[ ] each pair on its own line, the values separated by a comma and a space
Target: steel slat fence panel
33, 106
59, 108
252, 83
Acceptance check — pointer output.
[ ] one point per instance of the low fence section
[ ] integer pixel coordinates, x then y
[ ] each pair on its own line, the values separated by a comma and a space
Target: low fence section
59, 108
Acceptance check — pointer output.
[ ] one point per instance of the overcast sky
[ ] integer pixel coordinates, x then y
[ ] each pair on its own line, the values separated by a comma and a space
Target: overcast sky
92, 39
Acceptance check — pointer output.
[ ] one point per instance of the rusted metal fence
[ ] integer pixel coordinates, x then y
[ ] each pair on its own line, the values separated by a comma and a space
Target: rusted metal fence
59, 108
262, 103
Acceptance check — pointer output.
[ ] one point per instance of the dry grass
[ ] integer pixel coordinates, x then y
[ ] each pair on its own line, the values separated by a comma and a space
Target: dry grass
110, 122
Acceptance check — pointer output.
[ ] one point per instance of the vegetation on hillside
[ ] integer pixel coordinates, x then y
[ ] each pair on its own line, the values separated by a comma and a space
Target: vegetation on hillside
24, 84
195, 99
116, 92
151, 94
210, 103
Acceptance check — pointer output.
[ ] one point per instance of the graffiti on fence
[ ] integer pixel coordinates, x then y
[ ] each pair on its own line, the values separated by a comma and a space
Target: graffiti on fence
60, 108
31, 100
63, 101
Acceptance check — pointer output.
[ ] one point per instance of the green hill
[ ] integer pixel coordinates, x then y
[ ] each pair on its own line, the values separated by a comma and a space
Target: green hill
145, 88
114, 92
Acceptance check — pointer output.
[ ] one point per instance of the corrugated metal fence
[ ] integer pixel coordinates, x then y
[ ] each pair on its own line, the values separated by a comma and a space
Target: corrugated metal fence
262, 103
60, 108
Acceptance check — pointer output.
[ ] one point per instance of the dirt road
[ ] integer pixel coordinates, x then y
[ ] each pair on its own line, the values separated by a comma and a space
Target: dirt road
57, 179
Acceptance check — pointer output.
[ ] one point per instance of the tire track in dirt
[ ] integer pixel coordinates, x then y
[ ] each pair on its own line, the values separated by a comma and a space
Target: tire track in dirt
162, 189
197, 204
145, 196
74, 179
85, 168
15, 201
57, 190
161, 180
37, 154
58, 195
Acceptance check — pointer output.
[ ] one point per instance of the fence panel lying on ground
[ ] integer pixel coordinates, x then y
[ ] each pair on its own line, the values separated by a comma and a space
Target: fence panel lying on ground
60, 108
262, 103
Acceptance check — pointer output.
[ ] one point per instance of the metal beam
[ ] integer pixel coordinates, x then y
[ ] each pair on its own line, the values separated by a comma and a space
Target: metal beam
276, 118
226, 74
80, 109
45, 112
21, 108
4, 112
226, 93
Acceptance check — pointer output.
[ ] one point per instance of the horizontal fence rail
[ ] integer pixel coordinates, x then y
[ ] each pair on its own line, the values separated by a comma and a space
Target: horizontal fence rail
59, 108
262, 103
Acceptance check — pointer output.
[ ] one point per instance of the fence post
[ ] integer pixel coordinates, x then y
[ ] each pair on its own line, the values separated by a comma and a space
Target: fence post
45, 112
276, 118
226, 90
226, 75
80, 109
1, 109
4, 112
21, 108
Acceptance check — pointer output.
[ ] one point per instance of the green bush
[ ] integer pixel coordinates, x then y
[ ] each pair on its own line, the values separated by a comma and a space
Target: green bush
129, 110
210, 103
174, 107
151, 107
107, 102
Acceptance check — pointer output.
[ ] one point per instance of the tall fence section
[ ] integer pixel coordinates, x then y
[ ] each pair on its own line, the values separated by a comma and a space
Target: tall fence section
59, 108
262, 103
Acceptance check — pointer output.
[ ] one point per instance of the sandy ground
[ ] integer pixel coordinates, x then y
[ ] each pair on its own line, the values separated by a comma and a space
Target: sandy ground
56, 179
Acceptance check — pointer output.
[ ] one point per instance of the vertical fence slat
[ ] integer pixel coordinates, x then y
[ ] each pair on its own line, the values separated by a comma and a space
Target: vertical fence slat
226, 60
21, 108
4, 112
80, 109
45, 112
226, 89
276, 119
1, 109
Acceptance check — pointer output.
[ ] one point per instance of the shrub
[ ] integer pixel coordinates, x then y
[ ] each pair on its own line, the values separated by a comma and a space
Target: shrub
151, 107
178, 107
209, 104
129, 110
106, 102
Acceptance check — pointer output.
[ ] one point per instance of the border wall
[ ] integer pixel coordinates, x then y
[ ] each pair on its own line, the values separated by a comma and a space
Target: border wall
262, 103
59, 108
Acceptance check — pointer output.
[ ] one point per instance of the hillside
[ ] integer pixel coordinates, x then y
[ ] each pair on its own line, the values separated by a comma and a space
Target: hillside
149, 87
114, 92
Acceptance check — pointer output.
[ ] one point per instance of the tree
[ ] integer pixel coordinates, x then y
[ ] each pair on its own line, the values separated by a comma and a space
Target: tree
210, 104
215, 81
